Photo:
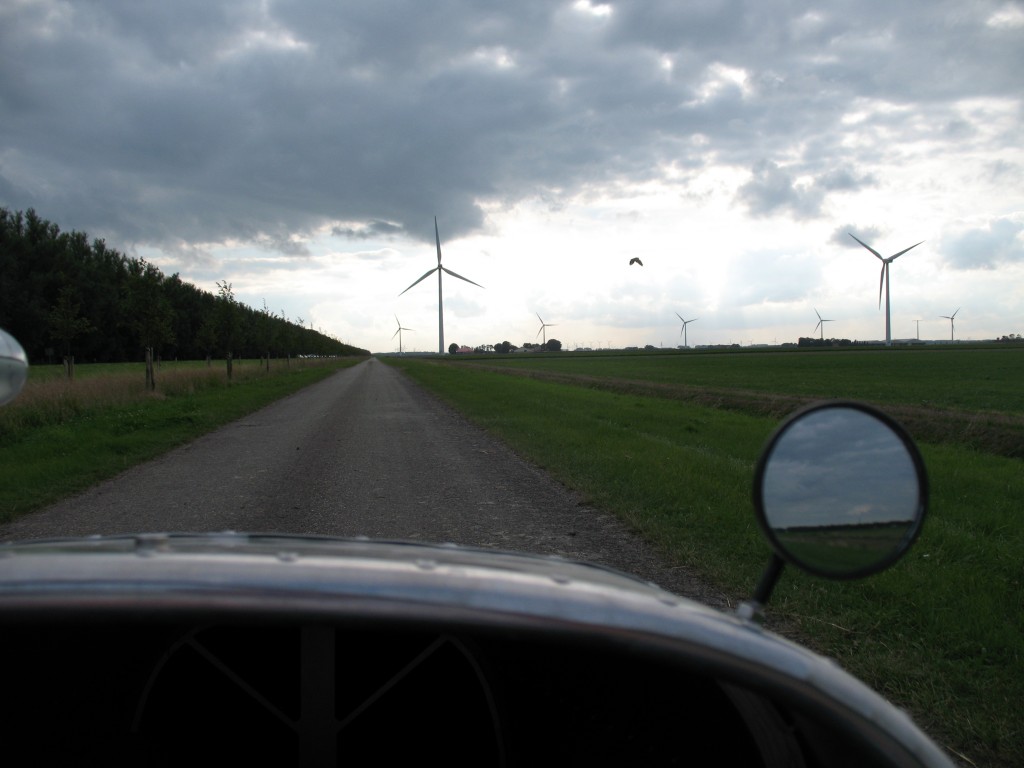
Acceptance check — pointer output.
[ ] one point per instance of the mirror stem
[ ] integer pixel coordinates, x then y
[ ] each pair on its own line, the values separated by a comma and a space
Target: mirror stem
751, 610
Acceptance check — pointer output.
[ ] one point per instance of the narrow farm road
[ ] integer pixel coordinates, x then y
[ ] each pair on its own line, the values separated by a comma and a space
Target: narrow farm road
365, 452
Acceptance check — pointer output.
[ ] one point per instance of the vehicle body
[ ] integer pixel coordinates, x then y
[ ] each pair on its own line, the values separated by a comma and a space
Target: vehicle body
313, 651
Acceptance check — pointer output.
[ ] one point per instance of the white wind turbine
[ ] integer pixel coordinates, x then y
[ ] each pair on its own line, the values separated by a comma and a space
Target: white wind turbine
543, 327
821, 323
885, 279
398, 333
682, 331
950, 318
440, 299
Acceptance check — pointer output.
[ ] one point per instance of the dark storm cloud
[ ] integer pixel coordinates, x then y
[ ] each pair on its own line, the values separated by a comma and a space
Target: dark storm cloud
204, 121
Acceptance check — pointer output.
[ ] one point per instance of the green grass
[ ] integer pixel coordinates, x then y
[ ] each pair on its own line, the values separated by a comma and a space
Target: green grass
978, 378
942, 633
62, 437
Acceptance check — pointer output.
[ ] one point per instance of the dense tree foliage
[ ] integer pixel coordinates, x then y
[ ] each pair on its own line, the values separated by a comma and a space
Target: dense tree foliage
62, 296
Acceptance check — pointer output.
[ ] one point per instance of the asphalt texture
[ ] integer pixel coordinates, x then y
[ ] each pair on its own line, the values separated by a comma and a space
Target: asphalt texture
365, 452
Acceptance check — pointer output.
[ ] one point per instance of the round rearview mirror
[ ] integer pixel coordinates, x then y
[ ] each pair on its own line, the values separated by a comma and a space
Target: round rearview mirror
841, 490
13, 367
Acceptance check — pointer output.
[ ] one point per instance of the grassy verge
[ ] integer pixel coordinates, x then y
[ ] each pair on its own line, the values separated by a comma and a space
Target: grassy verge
61, 437
942, 633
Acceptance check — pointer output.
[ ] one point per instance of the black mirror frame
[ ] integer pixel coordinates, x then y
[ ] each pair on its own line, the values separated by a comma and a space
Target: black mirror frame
915, 456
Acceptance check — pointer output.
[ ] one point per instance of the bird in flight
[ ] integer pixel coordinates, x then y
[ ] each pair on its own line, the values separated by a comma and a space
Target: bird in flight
635, 260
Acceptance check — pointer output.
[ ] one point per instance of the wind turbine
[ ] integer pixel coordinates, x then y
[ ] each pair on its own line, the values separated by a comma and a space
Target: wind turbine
682, 331
821, 322
398, 333
440, 300
950, 318
543, 328
885, 279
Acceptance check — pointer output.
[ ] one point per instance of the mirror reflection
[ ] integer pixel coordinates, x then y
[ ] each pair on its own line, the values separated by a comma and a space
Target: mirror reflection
13, 367
841, 493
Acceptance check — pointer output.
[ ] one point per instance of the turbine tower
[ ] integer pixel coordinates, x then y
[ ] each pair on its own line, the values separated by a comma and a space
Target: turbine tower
440, 298
398, 333
821, 323
884, 279
950, 318
543, 328
682, 331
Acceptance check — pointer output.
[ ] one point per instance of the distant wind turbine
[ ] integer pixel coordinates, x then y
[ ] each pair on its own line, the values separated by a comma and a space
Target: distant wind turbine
821, 323
543, 328
440, 300
950, 318
884, 279
682, 331
398, 333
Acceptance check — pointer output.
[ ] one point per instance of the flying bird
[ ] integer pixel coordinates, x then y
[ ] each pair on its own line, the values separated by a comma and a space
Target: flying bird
635, 260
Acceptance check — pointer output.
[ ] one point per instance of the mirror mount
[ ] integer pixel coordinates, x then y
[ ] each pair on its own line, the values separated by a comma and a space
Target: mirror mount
753, 609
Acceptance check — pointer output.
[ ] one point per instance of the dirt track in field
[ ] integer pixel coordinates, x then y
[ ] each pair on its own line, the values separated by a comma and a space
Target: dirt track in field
998, 433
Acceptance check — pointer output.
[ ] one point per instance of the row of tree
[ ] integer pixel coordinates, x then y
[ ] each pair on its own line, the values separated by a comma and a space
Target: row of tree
505, 347
64, 297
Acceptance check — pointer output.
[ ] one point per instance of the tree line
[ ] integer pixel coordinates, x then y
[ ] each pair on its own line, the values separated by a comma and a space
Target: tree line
65, 297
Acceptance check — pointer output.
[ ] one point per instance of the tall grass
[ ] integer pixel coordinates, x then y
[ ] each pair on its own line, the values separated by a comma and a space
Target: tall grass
942, 633
49, 397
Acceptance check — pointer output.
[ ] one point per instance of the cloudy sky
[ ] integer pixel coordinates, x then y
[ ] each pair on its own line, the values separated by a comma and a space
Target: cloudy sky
300, 150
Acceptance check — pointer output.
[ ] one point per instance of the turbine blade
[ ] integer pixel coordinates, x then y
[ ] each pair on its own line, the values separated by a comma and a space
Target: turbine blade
425, 276
816, 327
881, 282
680, 316
437, 237
866, 246
897, 255
818, 314
396, 333
454, 274
957, 310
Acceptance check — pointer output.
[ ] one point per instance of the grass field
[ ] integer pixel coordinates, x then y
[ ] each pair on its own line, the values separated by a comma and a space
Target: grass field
976, 378
942, 633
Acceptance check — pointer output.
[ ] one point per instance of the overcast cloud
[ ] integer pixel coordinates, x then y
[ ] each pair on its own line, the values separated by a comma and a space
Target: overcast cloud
300, 150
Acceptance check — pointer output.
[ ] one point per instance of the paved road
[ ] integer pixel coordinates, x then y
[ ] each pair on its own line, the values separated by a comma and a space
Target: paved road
365, 452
